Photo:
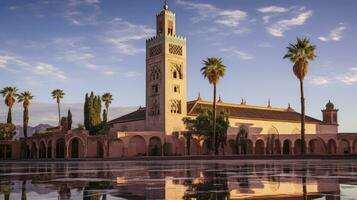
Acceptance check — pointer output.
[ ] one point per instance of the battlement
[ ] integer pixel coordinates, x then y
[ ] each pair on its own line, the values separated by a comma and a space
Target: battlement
167, 12
157, 38
162, 36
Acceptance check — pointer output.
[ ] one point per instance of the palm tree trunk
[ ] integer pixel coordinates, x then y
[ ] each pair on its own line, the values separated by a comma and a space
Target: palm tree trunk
23, 191
214, 120
25, 122
188, 143
9, 116
59, 113
303, 149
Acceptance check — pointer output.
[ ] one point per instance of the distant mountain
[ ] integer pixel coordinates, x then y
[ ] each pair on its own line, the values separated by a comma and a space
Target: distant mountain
31, 130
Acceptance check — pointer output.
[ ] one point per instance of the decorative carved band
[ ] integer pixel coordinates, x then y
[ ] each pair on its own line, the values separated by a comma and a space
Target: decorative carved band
175, 49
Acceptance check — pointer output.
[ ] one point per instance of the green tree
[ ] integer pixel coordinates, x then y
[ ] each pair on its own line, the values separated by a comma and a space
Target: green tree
213, 70
190, 126
7, 131
9, 93
300, 54
222, 127
107, 98
69, 119
92, 113
26, 98
202, 125
242, 141
58, 95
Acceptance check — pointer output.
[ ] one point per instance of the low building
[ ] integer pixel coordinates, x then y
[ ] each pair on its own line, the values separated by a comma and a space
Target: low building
158, 128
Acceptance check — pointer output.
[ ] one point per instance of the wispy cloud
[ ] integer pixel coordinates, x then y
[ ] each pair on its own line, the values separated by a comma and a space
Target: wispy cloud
20, 65
241, 54
319, 80
280, 27
124, 33
350, 77
265, 45
82, 12
228, 18
335, 34
273, 9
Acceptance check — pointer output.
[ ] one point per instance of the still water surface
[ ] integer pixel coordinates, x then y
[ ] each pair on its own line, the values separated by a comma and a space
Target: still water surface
312, 179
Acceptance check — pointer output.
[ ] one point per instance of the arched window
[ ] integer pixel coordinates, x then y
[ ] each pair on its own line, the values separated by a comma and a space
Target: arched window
174, 75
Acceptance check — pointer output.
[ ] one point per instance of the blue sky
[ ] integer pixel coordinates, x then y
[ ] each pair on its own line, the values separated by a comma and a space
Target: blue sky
99, 45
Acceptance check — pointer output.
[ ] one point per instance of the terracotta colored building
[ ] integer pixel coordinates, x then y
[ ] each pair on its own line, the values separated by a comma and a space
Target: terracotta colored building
158, 129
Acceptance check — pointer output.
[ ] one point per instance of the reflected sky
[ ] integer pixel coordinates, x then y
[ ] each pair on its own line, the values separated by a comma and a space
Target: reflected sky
172, 180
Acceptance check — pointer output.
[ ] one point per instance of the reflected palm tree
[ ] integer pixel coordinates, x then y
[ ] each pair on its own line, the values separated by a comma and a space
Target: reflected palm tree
214, 187
23, 191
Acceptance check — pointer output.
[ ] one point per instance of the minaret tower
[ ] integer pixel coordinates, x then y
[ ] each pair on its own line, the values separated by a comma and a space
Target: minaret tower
329, 114
165, 76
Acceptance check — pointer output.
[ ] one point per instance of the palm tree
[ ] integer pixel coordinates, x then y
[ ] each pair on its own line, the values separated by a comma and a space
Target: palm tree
300, 54
58, 95
9, 93
26, 98
107, 98
213, 70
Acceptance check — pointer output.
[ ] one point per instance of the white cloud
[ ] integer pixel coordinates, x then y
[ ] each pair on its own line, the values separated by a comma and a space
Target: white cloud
241, 54
20, 65
124, 33
45, 69
4, 60
273, 9
319, 80
335, 34
109, 72
265, 45
278, 29
228, 18
349, 78
231, 18
82, 12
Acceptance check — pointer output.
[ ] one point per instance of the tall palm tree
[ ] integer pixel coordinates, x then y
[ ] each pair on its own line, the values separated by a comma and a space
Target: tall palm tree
300, 54
26, 98
107, 98
213, 70
58, 95
9, 93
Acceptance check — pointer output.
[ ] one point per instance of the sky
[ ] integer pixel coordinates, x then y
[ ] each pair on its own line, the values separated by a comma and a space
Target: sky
99, 45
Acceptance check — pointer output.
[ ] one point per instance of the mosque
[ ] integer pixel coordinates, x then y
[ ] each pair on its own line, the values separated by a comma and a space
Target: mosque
158, 129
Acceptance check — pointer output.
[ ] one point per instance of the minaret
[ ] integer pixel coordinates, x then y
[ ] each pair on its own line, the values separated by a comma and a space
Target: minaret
165, 76
329, 114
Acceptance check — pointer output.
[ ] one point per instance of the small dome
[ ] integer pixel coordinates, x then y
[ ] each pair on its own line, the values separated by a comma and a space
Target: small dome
330, 105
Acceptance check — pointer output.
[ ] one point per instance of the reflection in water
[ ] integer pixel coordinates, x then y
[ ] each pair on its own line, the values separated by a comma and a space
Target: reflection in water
216, 180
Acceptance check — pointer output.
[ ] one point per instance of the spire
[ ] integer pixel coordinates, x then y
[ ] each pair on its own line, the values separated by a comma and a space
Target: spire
269, 105
220, 99
199, 96
166, 6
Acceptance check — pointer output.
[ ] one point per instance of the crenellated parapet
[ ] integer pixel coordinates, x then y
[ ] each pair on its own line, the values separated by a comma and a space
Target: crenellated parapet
169, 38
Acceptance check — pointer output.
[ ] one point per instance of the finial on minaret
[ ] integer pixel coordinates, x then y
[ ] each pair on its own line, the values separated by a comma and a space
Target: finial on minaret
166, 5
199, 96
269, 105
220, 99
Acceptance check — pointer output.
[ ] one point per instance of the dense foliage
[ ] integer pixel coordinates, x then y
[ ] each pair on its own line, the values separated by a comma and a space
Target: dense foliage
202, 126
92, 113
7, 131
69, 119
242, 141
